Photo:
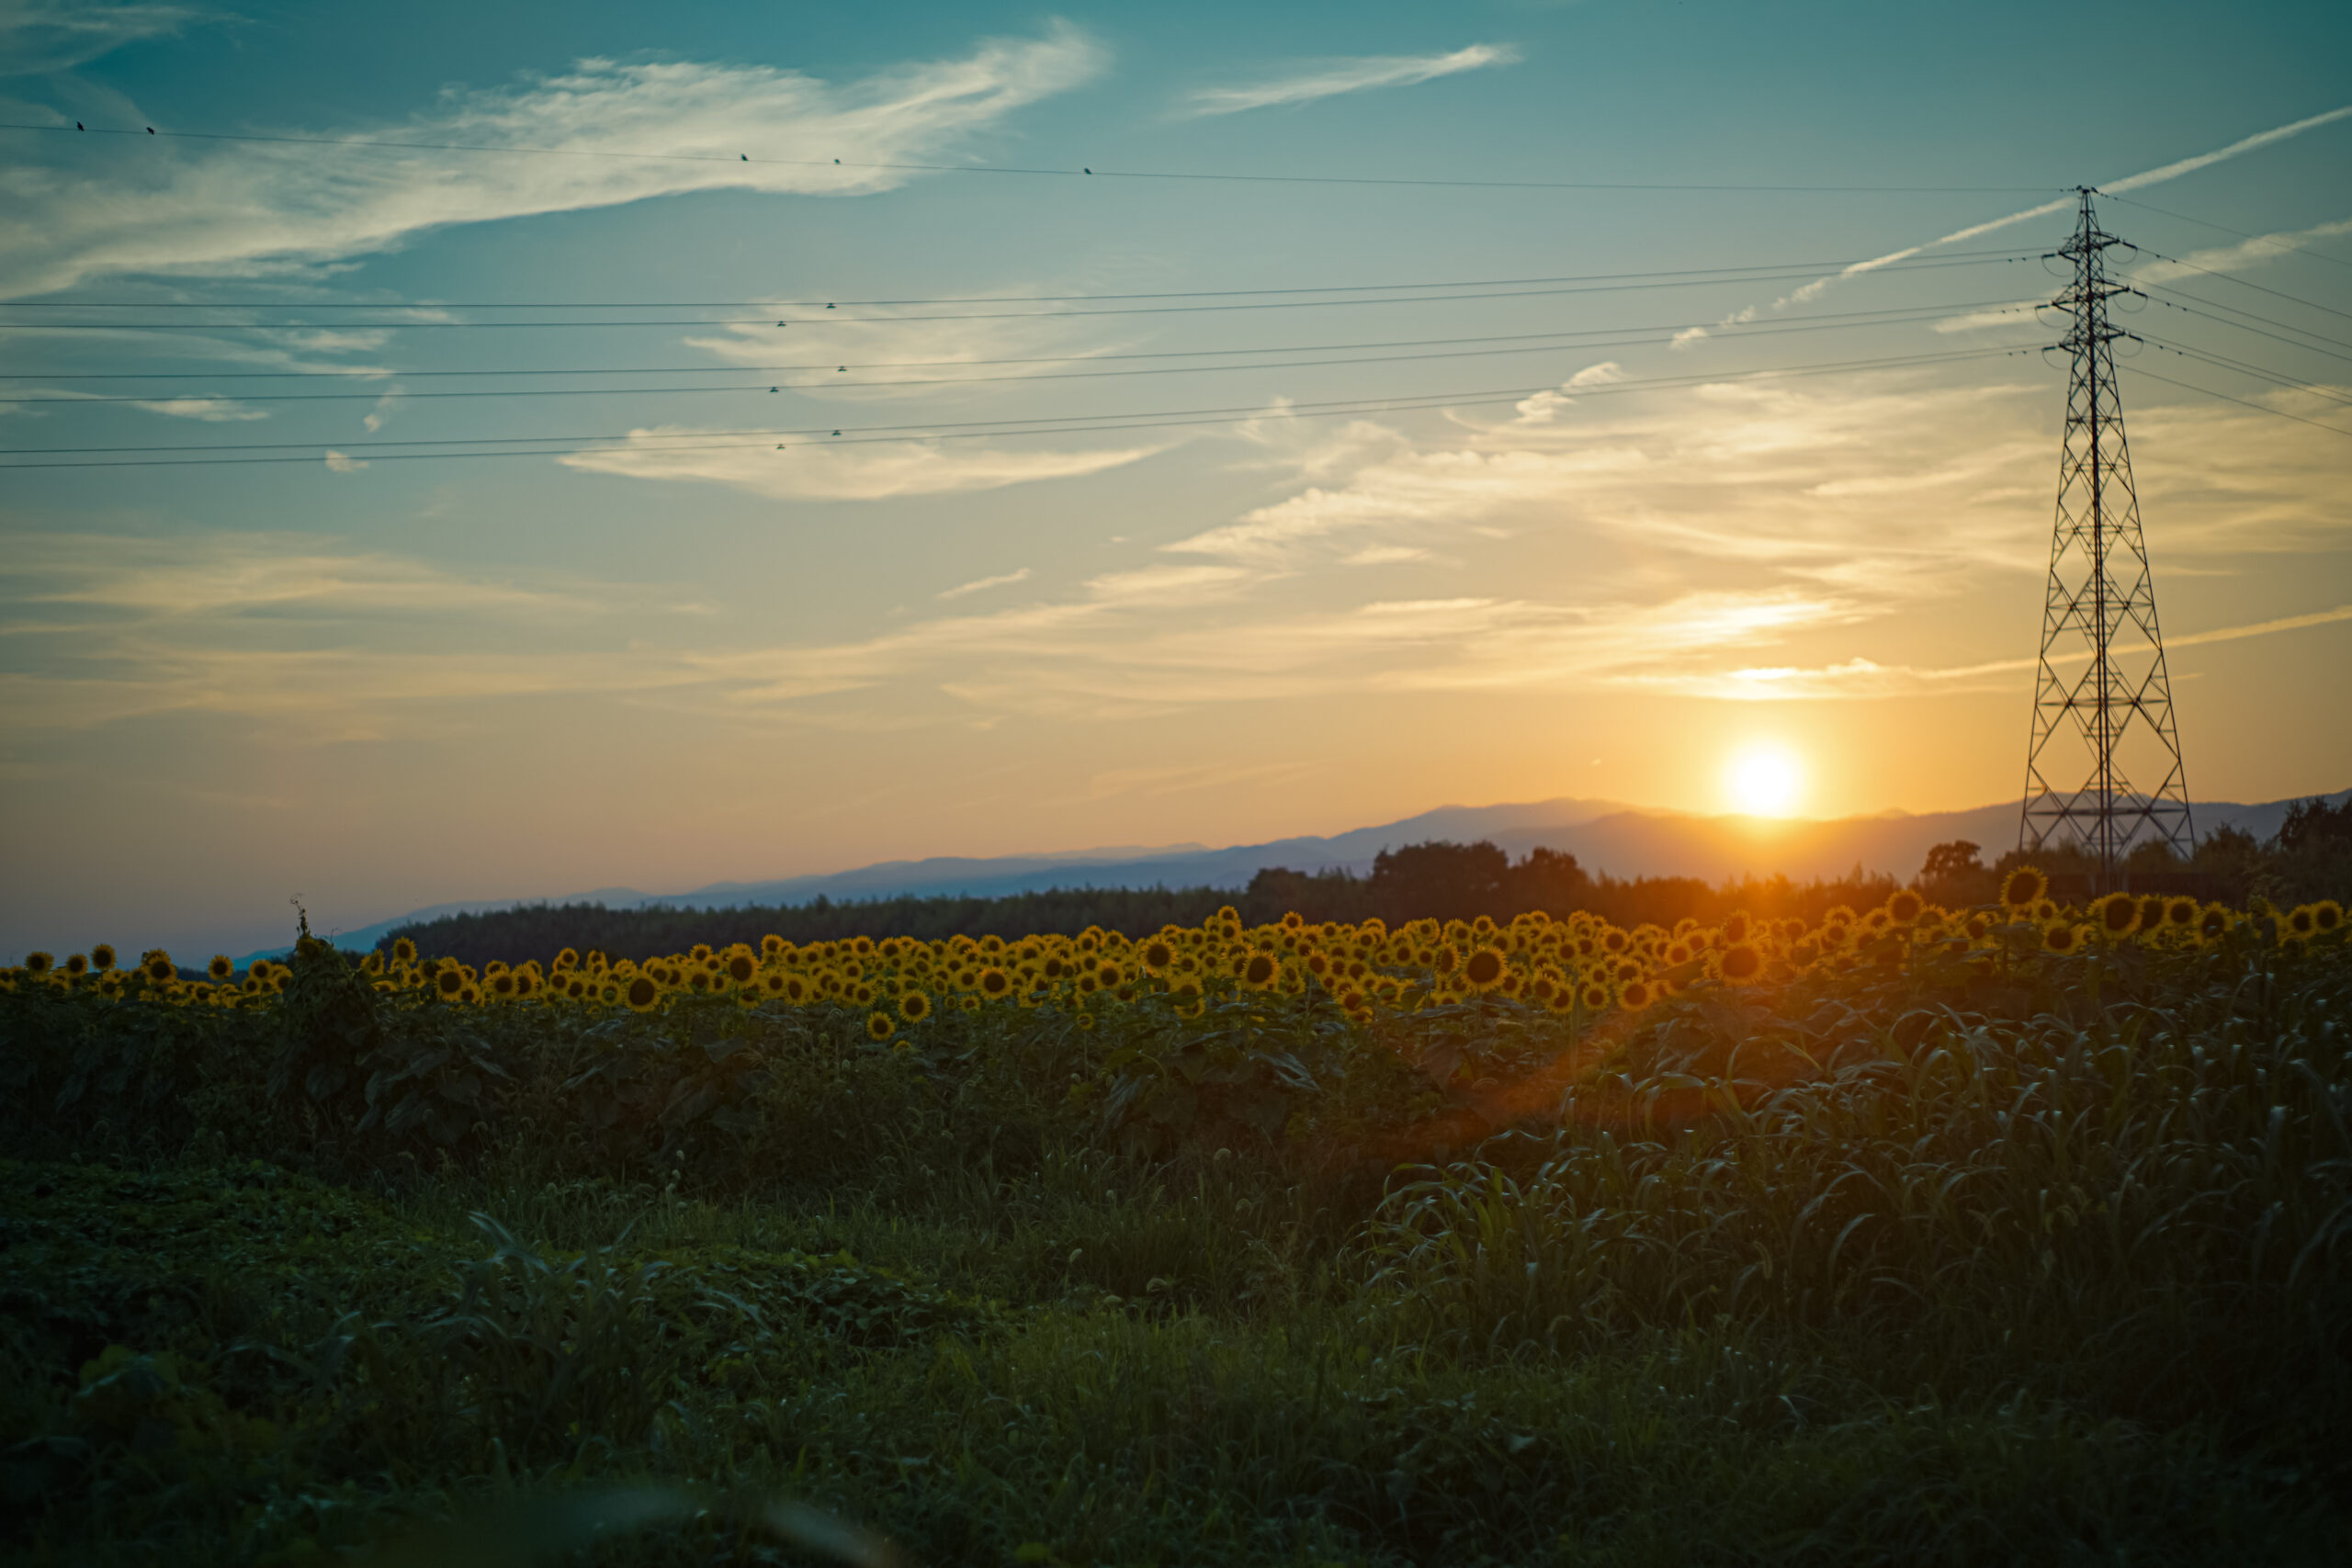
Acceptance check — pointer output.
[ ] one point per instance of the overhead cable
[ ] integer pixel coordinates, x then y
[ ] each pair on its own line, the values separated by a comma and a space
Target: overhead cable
1079, 170
559, 445
1730, 274
829, 320
1648, 335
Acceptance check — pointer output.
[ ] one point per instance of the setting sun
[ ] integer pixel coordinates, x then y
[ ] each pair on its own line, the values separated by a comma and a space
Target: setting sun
1764, 780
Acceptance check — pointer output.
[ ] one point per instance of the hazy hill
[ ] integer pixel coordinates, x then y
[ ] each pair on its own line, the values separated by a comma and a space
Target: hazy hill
1605, 835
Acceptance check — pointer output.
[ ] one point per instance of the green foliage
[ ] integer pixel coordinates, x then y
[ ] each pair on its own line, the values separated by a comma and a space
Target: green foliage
2045, 1261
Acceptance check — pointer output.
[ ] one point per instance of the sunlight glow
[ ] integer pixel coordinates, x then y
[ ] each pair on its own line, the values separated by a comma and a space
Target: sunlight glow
1764, 780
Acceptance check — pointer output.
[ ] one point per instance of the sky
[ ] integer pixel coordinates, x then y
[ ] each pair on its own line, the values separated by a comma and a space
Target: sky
1413, 405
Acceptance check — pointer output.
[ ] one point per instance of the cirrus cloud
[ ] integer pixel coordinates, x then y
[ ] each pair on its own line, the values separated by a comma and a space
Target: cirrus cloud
1333, 77
610, 132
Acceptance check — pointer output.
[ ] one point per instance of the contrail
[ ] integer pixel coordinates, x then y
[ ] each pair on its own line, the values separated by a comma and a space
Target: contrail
2130, 182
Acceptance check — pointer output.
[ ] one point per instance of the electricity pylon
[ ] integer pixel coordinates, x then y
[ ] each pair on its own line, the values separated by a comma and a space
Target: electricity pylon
2102, 606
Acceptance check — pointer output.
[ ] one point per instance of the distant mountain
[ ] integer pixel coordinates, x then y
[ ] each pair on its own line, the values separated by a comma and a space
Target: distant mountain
1605, 835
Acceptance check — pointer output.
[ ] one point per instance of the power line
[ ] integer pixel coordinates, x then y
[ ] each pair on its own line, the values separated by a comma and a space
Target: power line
1661, 281
2223, 362
379, 374
1080, 172
1730, 334
2225, 229
2241, 283
966, 429
1730, 274
2242, 402
2266, 320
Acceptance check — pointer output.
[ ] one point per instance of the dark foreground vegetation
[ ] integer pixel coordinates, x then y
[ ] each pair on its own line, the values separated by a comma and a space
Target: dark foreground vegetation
2046, 1260
2309, 858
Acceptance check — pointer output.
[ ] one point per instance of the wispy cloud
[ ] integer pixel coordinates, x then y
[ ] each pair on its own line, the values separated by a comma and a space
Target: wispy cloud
2246, 253
615, 132
212, 411
1330, 78
2157, 175
981, 585
40, 36
802, 470
1862, 678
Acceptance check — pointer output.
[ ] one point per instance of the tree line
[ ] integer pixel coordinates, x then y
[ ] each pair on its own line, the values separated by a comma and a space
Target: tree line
2310, 857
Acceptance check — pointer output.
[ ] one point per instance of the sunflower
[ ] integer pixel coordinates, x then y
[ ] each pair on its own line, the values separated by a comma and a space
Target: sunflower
158, 966
1735, 928
1742, 964
567, 959
914, 1006
78, 965
2302, 923
2118, 914
994, 982
642, 994
102, 957
502, 985
1637, 995
2024, 887
1486, 969
2213, 922
1258, 970
2328, 916
698, 952
1592, 996
772, 946
741, 967
471, 996
1905, 907
404, 951
2152, 914
2062, 936
449, 981
2180, 914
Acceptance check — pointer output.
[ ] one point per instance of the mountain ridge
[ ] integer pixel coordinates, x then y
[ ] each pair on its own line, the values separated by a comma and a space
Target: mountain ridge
1606, 837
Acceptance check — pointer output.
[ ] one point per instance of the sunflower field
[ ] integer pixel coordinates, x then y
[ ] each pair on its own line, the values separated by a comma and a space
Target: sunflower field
2013, 1231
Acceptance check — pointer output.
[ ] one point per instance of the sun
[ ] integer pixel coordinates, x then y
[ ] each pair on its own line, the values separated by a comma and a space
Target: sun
1764, 780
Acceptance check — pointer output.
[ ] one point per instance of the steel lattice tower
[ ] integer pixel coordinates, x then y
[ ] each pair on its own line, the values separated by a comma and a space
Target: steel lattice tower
2101, 603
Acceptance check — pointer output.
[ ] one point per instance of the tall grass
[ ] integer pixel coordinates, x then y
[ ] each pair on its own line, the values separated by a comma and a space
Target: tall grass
2049, 1264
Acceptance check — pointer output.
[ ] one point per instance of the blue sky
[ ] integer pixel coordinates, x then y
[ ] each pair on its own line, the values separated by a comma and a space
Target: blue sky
672, 654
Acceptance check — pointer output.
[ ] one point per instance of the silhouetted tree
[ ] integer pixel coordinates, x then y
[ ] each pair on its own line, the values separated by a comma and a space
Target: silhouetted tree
1438, 880
1954, 876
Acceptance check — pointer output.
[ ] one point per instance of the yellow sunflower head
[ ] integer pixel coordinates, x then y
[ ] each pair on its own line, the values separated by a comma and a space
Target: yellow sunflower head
2327, 916
2116, 915
1485, 969
158, 966
641, 993
102, 957
2180, 914
404, 951
1905, 908
913, 1006
1742, 964
220, 968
